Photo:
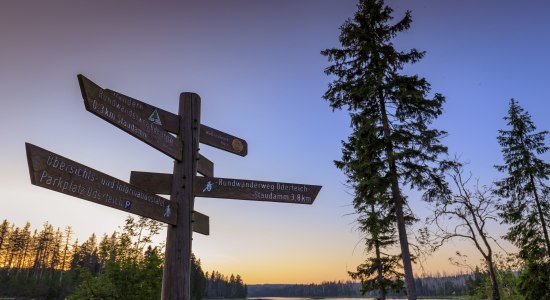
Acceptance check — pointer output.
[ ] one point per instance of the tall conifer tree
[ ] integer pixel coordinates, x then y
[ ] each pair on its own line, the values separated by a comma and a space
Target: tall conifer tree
4, 237
527, 210
526, 183
394, 106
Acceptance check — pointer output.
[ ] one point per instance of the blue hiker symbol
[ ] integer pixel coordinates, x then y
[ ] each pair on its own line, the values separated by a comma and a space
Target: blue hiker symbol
167, 211
209, 186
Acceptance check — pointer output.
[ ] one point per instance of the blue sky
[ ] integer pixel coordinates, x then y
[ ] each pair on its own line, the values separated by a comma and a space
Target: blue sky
257, 67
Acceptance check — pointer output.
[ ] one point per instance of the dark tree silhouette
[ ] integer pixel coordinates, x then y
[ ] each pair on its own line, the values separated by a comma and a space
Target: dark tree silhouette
394, 106
525, 185
527, 210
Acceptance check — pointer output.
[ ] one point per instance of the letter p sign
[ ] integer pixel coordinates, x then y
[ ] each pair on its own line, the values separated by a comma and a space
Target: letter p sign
127, 204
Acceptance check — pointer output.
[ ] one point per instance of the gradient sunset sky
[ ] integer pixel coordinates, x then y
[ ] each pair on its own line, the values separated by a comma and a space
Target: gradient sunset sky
257, 67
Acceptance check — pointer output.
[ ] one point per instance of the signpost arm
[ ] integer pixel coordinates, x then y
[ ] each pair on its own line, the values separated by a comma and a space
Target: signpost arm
176, 283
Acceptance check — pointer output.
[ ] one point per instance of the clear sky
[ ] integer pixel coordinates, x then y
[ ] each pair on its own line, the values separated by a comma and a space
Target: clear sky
257, 67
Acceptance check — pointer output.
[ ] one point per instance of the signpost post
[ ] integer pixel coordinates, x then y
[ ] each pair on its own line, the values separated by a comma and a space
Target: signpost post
176, 281
157, 127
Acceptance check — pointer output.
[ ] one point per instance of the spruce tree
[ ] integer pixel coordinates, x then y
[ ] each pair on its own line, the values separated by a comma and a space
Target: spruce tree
395, 108
527, 206
376, 220
65, 255
525, 184
4, 237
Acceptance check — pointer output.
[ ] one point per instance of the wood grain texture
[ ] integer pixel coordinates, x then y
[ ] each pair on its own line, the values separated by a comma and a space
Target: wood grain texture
176, 282
242, 189
60, 174
125, 114
205, 166
201, 223
156, 183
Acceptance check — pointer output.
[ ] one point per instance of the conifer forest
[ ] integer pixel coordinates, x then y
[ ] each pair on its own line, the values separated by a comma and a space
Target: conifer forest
50, 264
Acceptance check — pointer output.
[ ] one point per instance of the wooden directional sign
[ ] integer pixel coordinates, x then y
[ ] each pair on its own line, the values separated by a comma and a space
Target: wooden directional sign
229, 188
60, 174
125, 114
222, 140
201, 223
205, 166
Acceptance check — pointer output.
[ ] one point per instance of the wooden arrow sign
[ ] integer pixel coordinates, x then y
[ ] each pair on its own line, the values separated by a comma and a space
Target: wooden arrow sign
229, 188
124, 113
222, 140
60, 174
201, 223
205, 166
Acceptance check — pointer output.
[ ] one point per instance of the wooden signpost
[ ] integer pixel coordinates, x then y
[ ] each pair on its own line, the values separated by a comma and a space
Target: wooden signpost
177, 136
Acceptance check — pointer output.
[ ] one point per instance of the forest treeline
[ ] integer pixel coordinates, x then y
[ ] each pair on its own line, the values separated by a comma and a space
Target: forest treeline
394, 147
429, 286
48, 263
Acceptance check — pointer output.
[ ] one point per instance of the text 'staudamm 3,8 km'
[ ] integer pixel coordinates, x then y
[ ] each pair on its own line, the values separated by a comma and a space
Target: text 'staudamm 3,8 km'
256, 190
